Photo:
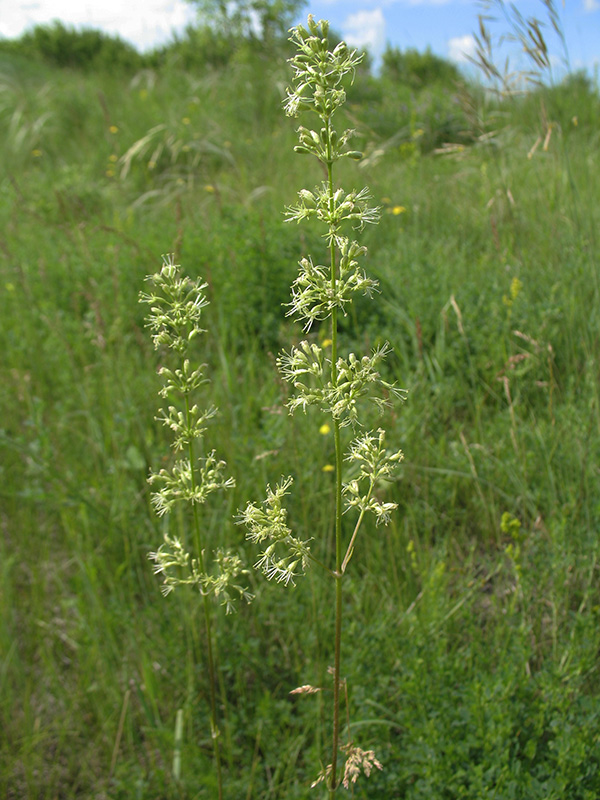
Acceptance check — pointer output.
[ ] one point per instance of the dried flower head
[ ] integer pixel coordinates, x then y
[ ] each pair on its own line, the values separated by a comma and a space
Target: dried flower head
358, 761
306, 689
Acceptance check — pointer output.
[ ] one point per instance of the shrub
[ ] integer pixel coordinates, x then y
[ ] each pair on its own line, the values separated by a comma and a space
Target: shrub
66, 47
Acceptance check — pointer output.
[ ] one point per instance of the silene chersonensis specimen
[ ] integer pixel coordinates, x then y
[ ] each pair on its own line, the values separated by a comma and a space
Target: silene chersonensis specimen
336, 384
176, 303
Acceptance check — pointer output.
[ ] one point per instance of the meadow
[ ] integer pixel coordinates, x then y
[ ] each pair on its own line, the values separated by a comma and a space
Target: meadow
473, 619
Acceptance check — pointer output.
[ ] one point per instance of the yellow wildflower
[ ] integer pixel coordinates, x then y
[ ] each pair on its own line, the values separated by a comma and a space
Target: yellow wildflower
396, 210
113, 129
515, 288
328, 468
324, 429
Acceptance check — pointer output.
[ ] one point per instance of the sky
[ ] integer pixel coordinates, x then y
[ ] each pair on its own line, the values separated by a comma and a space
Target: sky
445, 26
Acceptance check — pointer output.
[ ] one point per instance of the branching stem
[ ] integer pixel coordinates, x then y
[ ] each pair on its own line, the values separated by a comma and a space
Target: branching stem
350, 548
214, 729
319, 563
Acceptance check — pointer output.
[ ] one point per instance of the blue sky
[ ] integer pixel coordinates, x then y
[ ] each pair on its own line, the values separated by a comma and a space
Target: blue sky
446, 26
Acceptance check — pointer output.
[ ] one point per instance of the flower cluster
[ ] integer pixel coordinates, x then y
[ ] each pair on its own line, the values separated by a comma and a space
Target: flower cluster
375, 463
176, 303
314, 296
178, 568
306, 368
185, 427
268, 523
318, 72
333, 208
175, 306
181, 482
357, 761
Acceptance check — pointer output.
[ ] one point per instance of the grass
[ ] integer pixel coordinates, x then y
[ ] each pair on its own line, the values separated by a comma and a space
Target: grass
474, 667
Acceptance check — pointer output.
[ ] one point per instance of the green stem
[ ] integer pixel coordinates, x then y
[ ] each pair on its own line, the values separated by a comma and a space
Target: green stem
338, 492
338, 609
350, 547
320, 564
214, 729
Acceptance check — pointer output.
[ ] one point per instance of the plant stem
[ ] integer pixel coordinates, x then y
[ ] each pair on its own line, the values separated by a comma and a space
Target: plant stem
350, 547
320, 564
207, 618
338, 493
338, 608
336, 682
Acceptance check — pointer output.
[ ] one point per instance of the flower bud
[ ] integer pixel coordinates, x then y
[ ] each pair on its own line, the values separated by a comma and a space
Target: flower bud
307, 198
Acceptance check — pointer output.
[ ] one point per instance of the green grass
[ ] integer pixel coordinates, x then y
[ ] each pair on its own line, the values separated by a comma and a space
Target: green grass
474, 672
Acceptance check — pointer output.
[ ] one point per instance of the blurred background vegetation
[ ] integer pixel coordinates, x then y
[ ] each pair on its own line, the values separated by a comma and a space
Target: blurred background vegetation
473, 628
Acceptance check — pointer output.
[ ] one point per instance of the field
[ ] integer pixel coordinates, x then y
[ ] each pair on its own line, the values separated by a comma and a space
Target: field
472, 622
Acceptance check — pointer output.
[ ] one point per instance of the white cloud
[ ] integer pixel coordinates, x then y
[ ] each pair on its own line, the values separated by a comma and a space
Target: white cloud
591, 5
386, 3
145, 23
461, 47
366, 29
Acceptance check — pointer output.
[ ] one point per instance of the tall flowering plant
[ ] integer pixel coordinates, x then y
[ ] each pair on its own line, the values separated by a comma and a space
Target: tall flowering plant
176, 304
341, 386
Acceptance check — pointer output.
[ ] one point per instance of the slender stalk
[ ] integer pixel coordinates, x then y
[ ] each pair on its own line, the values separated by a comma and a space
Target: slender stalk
350, 547
338, 492
213, 698
319, 563
207, 618
336, 683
